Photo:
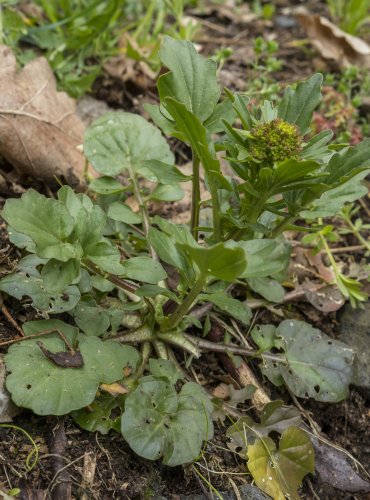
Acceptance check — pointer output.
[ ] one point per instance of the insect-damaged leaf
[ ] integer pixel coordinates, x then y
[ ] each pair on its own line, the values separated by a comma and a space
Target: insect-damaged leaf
313, 365
279, 472
37, 383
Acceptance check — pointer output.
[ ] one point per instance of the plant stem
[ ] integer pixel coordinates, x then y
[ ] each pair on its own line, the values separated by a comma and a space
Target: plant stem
216, 214
186, 304
195, 199
120, 283
280, 228
357, 233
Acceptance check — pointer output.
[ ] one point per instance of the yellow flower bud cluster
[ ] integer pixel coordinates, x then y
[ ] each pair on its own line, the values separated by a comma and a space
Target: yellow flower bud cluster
276, 140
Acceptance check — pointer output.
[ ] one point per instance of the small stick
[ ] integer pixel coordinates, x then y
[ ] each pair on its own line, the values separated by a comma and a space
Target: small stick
11, 320
40, 334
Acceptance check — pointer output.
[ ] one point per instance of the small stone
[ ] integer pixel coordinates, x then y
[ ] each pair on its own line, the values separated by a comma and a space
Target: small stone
355, 332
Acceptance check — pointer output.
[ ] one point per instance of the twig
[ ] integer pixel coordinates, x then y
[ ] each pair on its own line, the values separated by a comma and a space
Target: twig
11, 320
40, 334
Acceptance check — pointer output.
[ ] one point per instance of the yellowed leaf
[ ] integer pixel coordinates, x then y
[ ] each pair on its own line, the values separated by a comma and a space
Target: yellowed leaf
114, 389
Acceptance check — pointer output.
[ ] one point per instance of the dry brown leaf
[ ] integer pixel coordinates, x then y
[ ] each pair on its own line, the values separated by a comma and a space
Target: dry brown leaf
39, 129
333, 43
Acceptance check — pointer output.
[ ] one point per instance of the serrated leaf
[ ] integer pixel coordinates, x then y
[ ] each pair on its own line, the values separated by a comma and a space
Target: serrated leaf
279, 473
331, 202
158, 422
47, 389
232, 307
274, 418
298, 105
344, 165
19, 285
192, 78
120, 140
46, 221
316, 366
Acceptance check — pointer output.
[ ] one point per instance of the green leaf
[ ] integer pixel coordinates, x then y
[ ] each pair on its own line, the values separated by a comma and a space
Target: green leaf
224, 111
315, 365
264, 256
144, 269
163, 173
344, 165
269, 289
98, 416
56, 275
331, 202
37, 383
274, 418
117, 141
168, 192
297, 106
154, 290
219, 261
232, 307
279, 473
264, 336
192, 78
46, 221
106, 185
159, 422
193, 132
22, 284
123, 213
162, 368
292, 170
90, 318
167, 250
106, 257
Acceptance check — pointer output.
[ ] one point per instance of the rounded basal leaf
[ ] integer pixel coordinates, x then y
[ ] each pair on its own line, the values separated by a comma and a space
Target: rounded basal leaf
158, 422
39, 384
144, 269
90, 318
97, 417
316, 366
279, 473
117, 141
162, 368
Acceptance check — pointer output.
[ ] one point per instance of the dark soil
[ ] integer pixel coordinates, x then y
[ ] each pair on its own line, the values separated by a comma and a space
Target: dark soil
119, 473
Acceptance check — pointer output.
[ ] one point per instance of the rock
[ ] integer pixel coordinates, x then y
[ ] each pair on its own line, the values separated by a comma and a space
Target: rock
89, 109
355, 332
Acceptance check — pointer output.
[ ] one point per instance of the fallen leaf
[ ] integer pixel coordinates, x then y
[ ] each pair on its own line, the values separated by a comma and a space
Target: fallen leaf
114, 389
333, 43
63, 358
39, 129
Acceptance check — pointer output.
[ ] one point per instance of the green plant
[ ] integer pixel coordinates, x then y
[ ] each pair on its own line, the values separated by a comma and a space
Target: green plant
261, 85
350, 14
100, 262
79, 35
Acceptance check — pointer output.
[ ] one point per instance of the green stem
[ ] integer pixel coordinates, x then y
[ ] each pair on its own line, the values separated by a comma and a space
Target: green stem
120, 283
280, 228
217, 232
186, 304
357, 233
195, 199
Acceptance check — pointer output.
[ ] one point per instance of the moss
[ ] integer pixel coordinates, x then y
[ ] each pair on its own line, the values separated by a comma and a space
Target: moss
275, 141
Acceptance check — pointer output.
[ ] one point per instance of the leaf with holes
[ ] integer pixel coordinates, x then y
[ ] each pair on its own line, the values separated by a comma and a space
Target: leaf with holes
274, 418
279, 472
37, 383
313, 365
158, 422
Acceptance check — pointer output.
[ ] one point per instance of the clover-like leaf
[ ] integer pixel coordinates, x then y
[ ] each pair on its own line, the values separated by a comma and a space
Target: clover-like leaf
117, 141
158, 422
279, 472
37, 383
274, 418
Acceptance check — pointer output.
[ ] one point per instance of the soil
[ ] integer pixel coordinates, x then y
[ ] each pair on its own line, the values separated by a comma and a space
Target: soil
115, 470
